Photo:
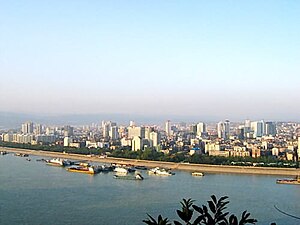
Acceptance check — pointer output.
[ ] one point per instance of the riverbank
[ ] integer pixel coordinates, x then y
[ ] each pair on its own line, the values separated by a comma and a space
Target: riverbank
175, 166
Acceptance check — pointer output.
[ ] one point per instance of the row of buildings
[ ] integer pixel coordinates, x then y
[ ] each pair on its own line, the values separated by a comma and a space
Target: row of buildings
250, 138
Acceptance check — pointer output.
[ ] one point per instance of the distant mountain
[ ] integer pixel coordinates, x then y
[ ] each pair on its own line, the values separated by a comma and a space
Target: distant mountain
14, 120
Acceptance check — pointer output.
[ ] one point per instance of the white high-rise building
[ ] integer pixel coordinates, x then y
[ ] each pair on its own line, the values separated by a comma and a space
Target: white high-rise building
67, 141
27, 128
38, 129
136, 143
168, 127
113, 133
258, 128
8, 137
223, 129
154, 139
106, 128
131, 123
201, 128
134, 131
148, 130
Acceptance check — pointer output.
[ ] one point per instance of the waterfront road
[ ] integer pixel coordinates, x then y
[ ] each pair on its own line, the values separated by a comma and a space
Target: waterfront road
175, 166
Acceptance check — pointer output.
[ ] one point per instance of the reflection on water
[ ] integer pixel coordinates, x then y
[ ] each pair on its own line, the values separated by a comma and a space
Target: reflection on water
34, 193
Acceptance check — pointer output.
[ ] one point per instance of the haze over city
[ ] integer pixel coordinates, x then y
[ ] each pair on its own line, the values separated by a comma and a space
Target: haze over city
201, 59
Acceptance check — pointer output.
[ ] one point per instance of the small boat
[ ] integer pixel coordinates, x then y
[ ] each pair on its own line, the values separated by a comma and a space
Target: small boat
21, 154
289, 181
160, 171
58, 162
138, 176
121, 170
197, 174
141, 167
105, 168
3, 153
84, 169
28, 159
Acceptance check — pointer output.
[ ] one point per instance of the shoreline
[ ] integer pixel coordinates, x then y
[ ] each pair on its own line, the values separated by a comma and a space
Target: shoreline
205, 168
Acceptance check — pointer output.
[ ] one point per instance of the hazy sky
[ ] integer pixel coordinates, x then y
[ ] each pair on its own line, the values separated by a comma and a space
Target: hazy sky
225, 59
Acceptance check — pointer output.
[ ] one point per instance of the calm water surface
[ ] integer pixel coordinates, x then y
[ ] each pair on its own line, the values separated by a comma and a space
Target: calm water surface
34, 193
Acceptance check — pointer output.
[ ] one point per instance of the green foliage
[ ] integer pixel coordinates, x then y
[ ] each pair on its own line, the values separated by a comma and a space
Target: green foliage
160, 221
213, 214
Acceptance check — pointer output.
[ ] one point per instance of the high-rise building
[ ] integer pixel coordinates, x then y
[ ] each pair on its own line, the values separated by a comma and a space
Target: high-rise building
223, 129
134, 131
27, 128
227, 129
68, 131
8, 137
247, 128
241, 133
106, 128
258, 128
270, 128
113, 133
131, 123
201, 128
67, 141
38, 129
168, 127
193, 129
154, 139
136, 143
148, 130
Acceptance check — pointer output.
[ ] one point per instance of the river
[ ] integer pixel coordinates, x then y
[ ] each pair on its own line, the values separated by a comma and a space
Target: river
34, 193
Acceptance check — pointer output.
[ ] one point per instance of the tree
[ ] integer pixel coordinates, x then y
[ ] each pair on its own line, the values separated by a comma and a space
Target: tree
213, 214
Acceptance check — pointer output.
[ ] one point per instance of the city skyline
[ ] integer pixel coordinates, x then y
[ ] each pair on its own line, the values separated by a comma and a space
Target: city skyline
208, 60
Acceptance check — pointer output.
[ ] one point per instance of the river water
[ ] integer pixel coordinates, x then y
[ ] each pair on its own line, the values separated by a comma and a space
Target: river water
34, 193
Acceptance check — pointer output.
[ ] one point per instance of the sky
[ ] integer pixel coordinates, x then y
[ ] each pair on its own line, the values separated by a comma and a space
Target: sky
207, 59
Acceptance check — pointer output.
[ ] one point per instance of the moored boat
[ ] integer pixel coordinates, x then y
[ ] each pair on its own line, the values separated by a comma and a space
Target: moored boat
141, 167
84, 169
197, 174
121, 170
3, 153
58, 162
106, 168
289, 181
160, 171
21, 154
138, 176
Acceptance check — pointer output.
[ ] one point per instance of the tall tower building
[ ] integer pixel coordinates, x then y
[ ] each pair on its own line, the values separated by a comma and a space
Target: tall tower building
148, 130
227, 129
270, 128
258, 128
38, 129
154, 138
201, 128
68, 131
223, 129
136, 143
113, 133
27, 128
168, 127
131, 123
106, 128
136, 131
